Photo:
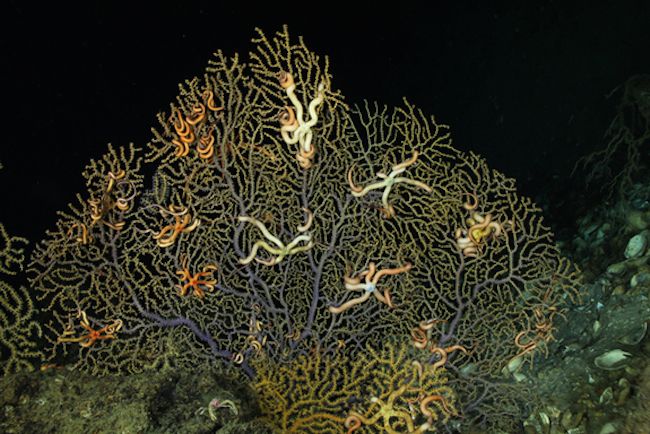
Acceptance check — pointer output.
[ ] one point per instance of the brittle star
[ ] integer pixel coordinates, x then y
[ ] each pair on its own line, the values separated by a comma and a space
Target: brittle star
184, 225
387, 183
87, 340
481, 229
372, 277
294, 129
281, 250
199, 282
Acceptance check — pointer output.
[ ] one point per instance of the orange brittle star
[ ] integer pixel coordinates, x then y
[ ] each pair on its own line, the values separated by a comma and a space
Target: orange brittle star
184, 127
372, 277
194, 281
107, 332
183, 225
422, 340
542, 334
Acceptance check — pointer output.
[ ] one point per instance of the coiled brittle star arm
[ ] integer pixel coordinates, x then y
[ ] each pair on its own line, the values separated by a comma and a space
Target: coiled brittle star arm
387, 183
280, 250
93, 335
294, 129
181, 225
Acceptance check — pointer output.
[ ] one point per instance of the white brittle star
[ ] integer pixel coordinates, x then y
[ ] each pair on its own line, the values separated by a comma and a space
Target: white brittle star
294, 128
281, 250
387, 183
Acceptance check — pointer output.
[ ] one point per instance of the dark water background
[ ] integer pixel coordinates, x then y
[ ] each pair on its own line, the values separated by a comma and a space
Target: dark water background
523, 84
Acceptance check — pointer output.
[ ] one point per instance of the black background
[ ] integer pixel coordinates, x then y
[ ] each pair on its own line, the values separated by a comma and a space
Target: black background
522, 83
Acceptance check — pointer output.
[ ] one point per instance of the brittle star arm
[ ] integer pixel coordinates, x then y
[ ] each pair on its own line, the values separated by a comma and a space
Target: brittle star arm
348, 304
301, 130
293, 247
263, 244
387, 182
289, 124
295, 101
313, 116
290, 249
413, 182
262, 228
369, 287
280, 251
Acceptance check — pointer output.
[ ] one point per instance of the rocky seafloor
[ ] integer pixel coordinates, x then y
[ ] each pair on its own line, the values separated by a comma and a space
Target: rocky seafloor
597, 376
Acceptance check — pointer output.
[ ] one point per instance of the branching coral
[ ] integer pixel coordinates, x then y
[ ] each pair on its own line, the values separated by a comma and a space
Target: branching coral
19, 330
277, 245
620, 161
376, 390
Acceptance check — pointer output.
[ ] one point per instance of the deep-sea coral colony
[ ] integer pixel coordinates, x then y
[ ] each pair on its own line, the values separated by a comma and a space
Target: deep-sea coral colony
18, 330
285, 240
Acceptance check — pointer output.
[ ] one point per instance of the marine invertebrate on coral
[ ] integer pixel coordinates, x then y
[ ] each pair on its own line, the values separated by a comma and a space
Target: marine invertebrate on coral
280, 250
274, 239
196, 281
480, 229
217, 403
371, 277
294, 128
92, 335
387, 184
183, 223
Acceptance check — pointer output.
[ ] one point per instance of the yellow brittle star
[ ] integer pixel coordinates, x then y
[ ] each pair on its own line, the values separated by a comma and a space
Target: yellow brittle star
181, 225
387, 183
389, 413
481, 229
372, 277
392, 413
281, 250
294, 128
99, 208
